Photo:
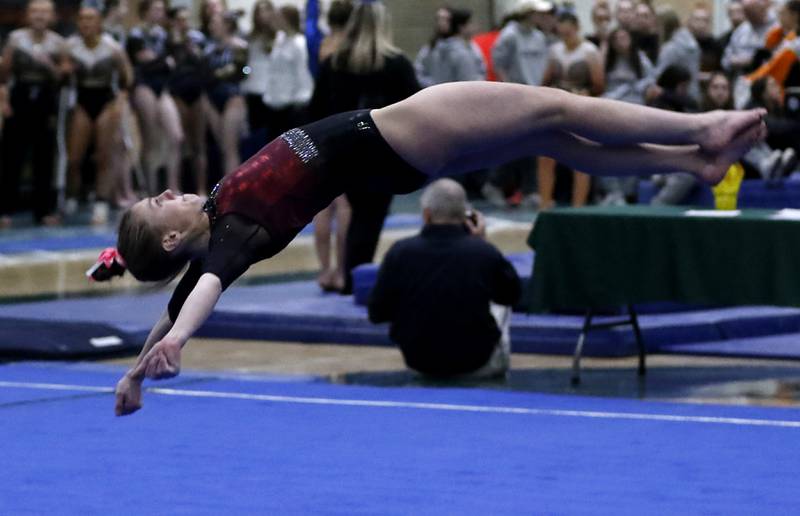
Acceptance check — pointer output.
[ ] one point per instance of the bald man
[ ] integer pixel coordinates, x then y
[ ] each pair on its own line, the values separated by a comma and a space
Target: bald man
452, 319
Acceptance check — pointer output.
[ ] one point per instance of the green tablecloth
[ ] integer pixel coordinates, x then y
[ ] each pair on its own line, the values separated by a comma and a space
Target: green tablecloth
605, 257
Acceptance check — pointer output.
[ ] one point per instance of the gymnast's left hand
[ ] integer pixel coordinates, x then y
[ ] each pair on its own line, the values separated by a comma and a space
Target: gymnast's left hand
163, 361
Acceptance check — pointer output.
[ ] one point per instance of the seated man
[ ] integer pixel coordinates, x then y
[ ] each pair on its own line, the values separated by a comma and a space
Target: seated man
436, 290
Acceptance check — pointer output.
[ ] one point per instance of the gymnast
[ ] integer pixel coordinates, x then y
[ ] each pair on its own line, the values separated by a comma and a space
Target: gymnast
444, 130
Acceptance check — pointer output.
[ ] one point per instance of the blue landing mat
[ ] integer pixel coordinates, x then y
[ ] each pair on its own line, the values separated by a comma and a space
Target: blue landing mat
232, 446
772, 346
299, 312
68, 239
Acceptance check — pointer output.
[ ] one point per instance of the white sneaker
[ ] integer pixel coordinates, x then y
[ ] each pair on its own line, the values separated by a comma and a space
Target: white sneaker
70, 206
769, 166
100, 211
788, 164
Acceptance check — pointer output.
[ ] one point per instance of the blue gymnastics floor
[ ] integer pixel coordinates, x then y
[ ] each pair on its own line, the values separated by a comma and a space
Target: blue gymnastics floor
228, 445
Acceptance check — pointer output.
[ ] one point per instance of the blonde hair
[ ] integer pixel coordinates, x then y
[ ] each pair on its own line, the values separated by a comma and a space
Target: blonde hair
367, 40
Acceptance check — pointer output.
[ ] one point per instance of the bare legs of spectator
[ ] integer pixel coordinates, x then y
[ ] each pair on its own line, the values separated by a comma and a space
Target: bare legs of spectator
456, 127
546, 177
161, 133
227, 128
332, 278
193, 119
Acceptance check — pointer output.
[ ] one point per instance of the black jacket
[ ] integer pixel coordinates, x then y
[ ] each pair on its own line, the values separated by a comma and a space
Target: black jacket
435, 290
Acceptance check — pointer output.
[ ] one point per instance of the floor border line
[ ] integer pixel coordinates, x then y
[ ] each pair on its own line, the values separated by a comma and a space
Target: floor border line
448, 407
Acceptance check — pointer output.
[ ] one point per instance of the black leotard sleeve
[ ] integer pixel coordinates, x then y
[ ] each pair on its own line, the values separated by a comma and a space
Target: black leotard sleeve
236, 243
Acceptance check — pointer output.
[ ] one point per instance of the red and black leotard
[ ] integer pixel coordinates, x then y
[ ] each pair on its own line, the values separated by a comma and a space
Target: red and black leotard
258, 209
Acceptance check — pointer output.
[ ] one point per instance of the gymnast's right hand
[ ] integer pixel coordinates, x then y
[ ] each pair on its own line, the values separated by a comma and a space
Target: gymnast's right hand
129, 396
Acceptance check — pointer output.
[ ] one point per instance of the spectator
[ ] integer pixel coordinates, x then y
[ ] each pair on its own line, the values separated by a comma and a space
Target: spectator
100, 70
33, 64
625, 14
444, 321
748, 37
226, 56
186, 48
160, 123
279, 85
601, 23
338, 15
678, 48
673, 86
699, 25
783, 66
331, 275
457, 58
645, 32
628, 74
209, 8
423, 64
519, 56
366, 71
735, 13
760, 161
783, 131
574, 65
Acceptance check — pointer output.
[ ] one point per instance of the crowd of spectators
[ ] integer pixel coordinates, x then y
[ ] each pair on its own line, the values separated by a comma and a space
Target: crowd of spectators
111, 112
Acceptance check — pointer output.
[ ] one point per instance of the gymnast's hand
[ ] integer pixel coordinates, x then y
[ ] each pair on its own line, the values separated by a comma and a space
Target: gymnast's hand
163, 361
129, 395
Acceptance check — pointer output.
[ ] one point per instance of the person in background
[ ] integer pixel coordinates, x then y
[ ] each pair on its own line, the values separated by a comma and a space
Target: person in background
673, 86
761, 160
645, 32
225, 60
519, 56
331, 275
748, 38
338, 15
367, 71
452, 320
735, 13
678, 48
114, 14
628, 74
625, 14
100, 71
423, 63
34, 62
784, 65
209, 8
699, 25
279, 83
574, 65
782, 130
456, 58
601, 23
186, 48
162, 134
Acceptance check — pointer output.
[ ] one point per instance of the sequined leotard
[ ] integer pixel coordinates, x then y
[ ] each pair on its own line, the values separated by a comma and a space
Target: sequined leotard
258, 209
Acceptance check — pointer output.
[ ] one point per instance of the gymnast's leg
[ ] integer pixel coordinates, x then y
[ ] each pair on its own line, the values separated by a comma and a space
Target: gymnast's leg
445, 124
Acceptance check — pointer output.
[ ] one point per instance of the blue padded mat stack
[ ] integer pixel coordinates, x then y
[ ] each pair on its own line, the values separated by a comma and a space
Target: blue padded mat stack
299, 312
754, 193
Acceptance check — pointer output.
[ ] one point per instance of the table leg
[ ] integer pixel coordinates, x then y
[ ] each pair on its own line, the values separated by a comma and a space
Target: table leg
576, 359
637, 332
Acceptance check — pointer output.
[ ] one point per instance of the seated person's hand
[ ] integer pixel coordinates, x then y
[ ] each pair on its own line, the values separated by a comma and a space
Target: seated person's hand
476, 223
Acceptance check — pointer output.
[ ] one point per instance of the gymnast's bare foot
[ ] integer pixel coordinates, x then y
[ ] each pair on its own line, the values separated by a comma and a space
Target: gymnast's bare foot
720, 128
717, 164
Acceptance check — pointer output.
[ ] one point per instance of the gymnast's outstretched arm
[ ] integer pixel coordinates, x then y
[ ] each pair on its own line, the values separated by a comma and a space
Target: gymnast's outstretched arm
161, 356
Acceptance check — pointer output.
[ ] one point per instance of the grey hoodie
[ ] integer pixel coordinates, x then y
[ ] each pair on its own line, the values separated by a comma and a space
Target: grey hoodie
454, 59
682, 50
521, 54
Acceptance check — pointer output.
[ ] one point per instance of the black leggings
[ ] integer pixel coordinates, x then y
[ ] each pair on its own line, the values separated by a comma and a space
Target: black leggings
30, 129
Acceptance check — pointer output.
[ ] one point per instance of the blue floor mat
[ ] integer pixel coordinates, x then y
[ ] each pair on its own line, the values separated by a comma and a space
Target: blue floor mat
772, 346
230, 446
299, 312
81, 238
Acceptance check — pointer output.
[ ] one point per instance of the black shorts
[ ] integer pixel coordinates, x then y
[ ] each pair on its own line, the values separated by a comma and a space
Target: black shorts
351, 147
95, 100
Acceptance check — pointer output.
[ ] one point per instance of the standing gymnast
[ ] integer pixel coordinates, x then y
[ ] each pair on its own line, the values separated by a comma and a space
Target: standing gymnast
443, 130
